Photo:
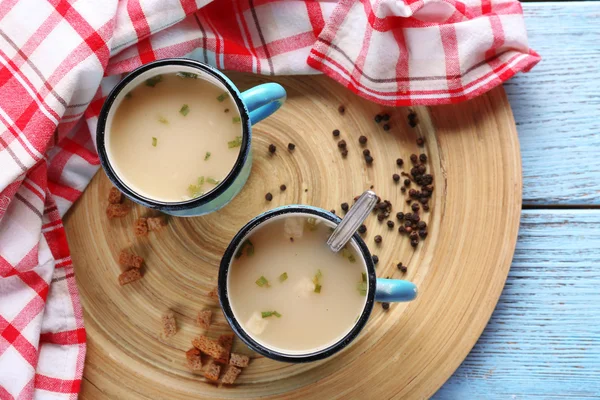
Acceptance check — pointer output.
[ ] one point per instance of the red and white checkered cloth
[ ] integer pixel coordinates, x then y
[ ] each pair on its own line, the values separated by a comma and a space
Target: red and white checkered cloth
59, 59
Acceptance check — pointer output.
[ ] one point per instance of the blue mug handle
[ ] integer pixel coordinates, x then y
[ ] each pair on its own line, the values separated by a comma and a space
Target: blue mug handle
263, 100
395, 290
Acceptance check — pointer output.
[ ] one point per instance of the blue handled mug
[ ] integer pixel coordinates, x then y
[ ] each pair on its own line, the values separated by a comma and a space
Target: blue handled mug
253, 105
379, 289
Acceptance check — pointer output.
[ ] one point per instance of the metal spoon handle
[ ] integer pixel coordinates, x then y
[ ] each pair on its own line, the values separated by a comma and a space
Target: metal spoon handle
352, 221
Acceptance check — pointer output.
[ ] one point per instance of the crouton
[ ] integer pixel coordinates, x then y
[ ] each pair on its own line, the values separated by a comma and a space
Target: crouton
131, 275
130, 260
212, 371
141, 227
155, 223
194, 361
114, 196
117, 210
239, 360
204, 319
214, 294
169, 324
230, 374
210, 347
227, 342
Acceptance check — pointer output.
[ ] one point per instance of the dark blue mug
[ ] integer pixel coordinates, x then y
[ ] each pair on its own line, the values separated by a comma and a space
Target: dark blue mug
379, 289
254, 105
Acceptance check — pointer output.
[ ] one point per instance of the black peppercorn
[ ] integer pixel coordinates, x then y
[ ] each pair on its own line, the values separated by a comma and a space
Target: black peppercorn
412, 193
282, 188
362, 140
407, 223
422, 225
407, 182
369, 159
341, 109
366, 152
342, 144
390, 224
381, 217
362, 229
344, 206
377, 118
332, 211
423, 157
425, 207
414, 243
403, 189
399, 162
386, 127
378, 239
396, 177
385, 305
402, 268
375, 259
272, 148
414, 159
401, 229
400, 216
420, 141
421, 168
407, 229
344, 153
414, 235
336, 132
415, 206
423, 233
268, 197
385, 117
291, 146
423, 200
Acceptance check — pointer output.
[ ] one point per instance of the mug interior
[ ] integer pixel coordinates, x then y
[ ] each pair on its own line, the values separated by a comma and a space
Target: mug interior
327, 348
138, 77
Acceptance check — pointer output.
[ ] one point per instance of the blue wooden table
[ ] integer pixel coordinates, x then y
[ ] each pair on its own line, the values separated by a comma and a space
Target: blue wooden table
543, 341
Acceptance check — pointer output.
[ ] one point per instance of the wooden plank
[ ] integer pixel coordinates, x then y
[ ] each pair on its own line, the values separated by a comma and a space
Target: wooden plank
543, 340
557, 105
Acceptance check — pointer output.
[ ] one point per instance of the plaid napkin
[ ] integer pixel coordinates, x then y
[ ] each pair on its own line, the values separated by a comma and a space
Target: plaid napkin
59, 59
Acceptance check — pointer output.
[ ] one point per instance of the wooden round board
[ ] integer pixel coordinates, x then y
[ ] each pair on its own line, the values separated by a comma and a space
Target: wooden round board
407, 351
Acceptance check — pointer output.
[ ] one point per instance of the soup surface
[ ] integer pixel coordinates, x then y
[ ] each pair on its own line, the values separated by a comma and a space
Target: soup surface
174, 137
290, 292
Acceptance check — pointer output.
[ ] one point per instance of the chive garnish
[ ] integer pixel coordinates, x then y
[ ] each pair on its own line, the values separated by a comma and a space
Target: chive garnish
267, 314
162, 120
200, 181
364, 276
236, 120
262, 281
311, 224
317, 281
182, 74
154, 141
154, 80
249, 252
212, 181
184, 110
237, 142
222, 97
195, 191
351, 258
207, 155
362, 286
317, 288
283, 277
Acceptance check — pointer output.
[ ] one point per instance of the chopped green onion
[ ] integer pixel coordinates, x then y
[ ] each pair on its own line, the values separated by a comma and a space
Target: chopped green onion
319, 274
184, 110
283, 277
362, 288
262, 281
364, 276
212, 181
154, 141
162, 120
222, 97
351, 258
267, 314
128, 95
200, 180
154, 80
237, 142
207, 155
311, 224
317, 281
195, 191
182, 74
249, 252
236, 120
317, 288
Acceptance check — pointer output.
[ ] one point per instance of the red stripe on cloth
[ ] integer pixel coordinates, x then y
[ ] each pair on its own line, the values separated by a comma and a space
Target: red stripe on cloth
4, 395
22, 138
315, 15
34, 190
450, 45
57, 385
402, 65
34, 281
286, 45
75, 148
359, 63
486, 6
189, 6
76, 336
498, 33
142, 30
246, 32
66, 192
213, 28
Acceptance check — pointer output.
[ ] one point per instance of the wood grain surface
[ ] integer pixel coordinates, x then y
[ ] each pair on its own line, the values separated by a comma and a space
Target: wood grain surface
406, 352
543, 340
557, 104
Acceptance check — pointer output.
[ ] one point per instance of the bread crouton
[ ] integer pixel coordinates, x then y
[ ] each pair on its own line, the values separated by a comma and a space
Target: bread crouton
141, 227
230, 374
169, 324
214, 294
129, 276
209, 347
155, 223
239, 360
194, 361
114, 196
212, 371
227, 342
204, 319
130, 260
117, 210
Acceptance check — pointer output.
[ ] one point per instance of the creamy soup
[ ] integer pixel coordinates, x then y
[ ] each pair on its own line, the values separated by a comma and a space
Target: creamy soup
174, 137
290, 292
